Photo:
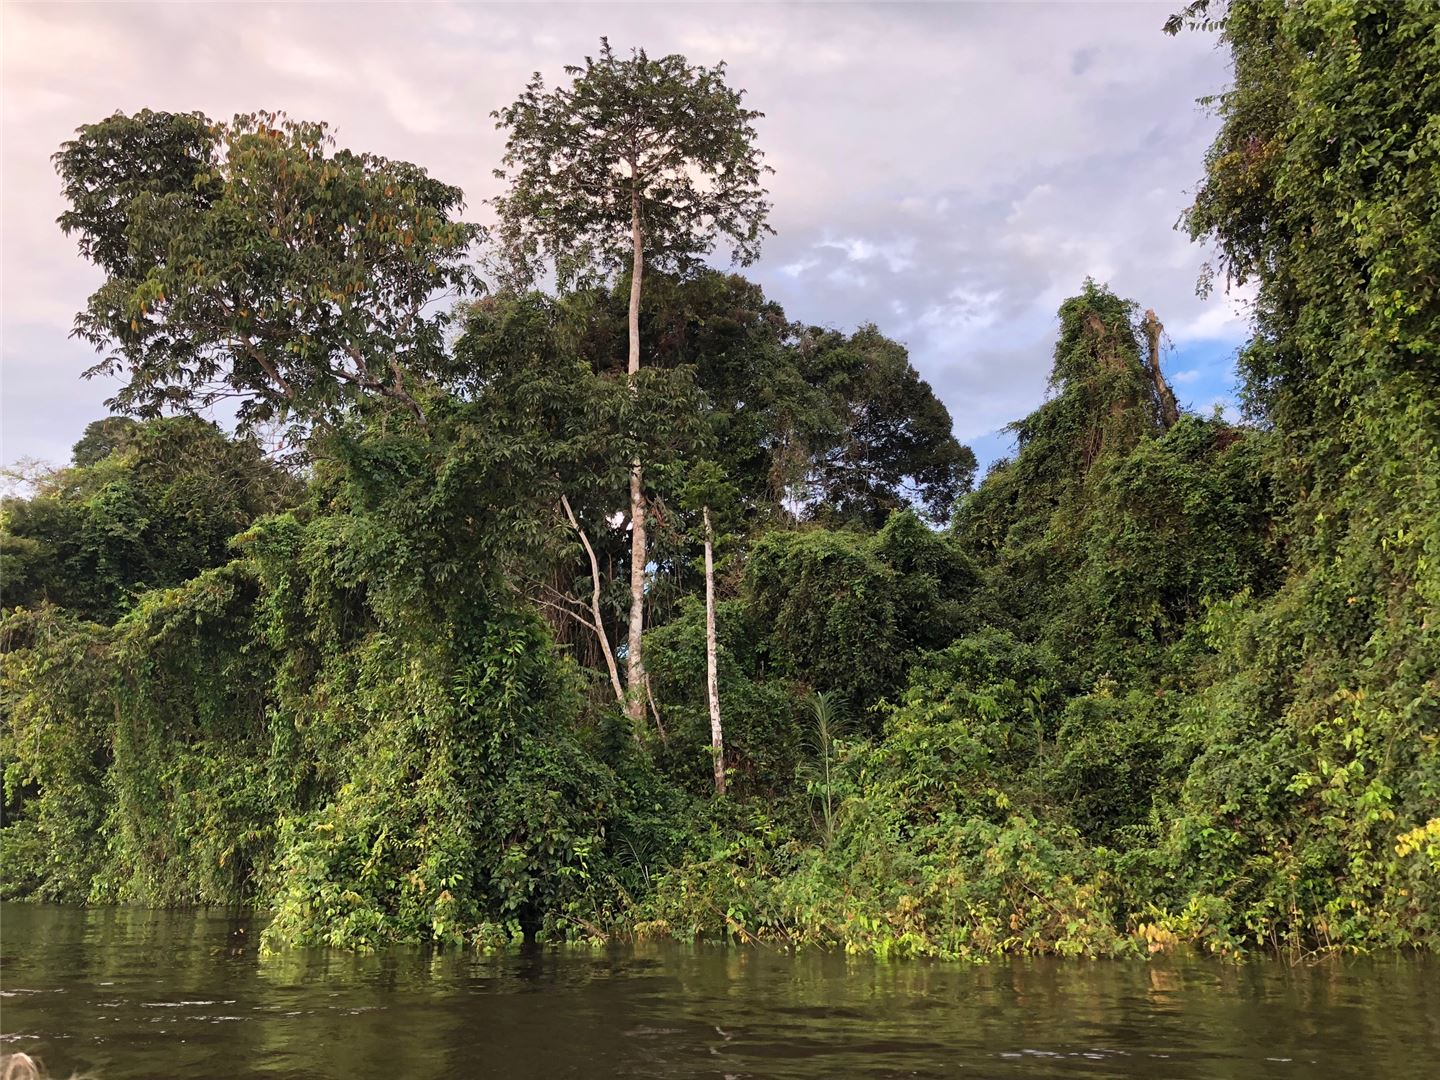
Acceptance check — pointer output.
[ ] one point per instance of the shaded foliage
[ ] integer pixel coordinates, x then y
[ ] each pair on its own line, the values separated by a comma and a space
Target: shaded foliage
144, 506
849, 612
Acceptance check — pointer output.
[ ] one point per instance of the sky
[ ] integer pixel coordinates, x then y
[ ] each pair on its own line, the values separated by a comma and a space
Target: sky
948, 171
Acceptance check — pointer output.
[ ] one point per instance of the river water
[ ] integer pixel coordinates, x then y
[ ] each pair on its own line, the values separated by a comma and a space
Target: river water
124, 992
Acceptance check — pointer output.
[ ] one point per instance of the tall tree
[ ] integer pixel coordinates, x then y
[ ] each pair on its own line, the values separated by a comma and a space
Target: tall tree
637, 161
253, 259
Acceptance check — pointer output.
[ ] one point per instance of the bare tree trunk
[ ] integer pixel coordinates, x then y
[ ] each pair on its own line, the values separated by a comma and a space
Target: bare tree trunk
1169, 408
599, 624
634, 661
712, 676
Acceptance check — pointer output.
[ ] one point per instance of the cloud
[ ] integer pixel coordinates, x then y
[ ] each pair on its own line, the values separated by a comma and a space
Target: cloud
950, 172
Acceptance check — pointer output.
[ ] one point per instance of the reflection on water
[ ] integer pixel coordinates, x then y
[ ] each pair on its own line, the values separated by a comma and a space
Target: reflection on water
132, 993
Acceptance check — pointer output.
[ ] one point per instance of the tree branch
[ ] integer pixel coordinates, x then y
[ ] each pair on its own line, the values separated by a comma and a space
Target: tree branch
599, 624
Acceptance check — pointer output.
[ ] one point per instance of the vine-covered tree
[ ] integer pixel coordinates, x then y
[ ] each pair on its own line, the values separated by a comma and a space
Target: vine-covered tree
145, 505
1320, 191
636, 161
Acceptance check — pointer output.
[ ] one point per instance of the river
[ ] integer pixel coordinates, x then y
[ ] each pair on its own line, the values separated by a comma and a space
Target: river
124, 992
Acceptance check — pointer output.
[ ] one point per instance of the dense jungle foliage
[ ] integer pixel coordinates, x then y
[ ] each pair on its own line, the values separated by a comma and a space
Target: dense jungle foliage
1160, 678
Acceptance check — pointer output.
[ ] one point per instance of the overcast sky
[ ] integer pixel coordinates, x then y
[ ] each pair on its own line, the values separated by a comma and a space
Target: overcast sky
948, 171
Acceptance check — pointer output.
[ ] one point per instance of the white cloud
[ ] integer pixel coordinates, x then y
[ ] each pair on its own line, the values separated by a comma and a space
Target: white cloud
1226, 407
896, 254
1223, 316
846, 276
855, 249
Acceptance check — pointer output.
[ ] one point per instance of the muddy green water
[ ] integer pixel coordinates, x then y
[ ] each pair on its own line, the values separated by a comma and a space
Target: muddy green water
132, 993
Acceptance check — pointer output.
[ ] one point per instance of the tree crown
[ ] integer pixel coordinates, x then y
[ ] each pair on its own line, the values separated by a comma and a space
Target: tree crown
664, 137
254, 260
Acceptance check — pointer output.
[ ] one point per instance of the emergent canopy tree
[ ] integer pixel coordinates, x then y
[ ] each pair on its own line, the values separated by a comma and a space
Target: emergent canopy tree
253, 260
636, 159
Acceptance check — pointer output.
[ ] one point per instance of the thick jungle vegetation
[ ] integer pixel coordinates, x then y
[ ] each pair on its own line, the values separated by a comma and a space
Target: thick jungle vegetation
636, 607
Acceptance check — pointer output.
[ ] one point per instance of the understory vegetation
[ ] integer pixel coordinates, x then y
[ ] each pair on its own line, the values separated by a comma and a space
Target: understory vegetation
373, 661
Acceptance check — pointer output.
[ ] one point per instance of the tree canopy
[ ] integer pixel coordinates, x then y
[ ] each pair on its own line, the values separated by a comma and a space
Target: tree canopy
143, 506
253, 260
659, 144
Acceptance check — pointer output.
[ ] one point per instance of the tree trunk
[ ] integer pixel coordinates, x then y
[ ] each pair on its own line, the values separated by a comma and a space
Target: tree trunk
1169, 407
712, 675
634, 660
595, 612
